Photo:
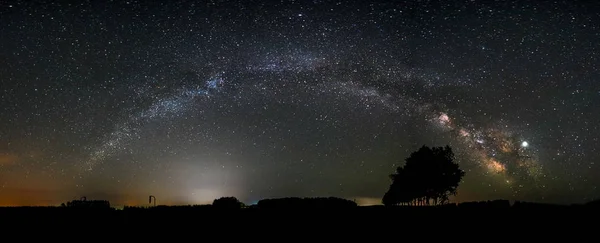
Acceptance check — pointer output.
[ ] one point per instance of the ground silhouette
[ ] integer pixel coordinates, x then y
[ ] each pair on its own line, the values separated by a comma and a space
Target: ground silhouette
339, 219
331, 203
489, 221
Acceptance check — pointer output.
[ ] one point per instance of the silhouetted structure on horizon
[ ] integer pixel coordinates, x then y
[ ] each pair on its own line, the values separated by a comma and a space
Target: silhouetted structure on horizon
150, 200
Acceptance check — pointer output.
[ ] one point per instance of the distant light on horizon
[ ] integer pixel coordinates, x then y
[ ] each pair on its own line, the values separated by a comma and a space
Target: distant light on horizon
367, 201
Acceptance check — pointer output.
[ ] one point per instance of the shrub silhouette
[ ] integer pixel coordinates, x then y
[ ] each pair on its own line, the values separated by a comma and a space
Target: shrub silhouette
429, 176
227, 203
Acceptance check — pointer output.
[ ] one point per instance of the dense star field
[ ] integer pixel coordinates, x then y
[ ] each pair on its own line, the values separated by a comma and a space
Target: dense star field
194, 100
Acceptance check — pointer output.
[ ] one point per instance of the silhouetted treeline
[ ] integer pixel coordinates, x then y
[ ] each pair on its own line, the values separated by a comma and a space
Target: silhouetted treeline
313, 203
308, 204
296, 203
100, 204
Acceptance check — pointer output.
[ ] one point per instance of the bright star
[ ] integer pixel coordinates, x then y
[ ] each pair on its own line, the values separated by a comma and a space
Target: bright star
524, 144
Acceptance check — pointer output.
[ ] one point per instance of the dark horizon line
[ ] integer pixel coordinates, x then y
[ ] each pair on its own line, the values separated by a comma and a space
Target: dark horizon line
510, 202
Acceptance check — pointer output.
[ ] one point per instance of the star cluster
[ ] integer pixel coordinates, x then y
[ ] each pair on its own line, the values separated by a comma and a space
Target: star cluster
193, 100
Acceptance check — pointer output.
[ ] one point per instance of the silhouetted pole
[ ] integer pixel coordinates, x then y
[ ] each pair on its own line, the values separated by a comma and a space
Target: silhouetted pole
150, 200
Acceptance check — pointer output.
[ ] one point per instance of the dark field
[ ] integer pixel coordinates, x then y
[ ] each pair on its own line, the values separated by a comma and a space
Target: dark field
481, 222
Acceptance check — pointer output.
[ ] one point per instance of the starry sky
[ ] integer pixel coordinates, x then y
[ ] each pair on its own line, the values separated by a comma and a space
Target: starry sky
193, 100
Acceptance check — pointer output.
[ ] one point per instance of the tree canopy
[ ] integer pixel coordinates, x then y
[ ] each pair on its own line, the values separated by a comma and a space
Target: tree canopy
430, 175
227, 203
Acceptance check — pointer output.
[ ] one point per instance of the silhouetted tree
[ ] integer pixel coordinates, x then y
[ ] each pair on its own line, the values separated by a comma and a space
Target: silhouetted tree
430, 175
227, 203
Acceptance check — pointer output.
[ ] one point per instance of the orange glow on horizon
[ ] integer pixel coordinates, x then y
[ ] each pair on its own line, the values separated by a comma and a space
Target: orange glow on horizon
27, 197
8, 159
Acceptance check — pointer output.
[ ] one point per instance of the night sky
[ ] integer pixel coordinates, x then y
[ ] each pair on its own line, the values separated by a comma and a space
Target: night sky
195, 100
